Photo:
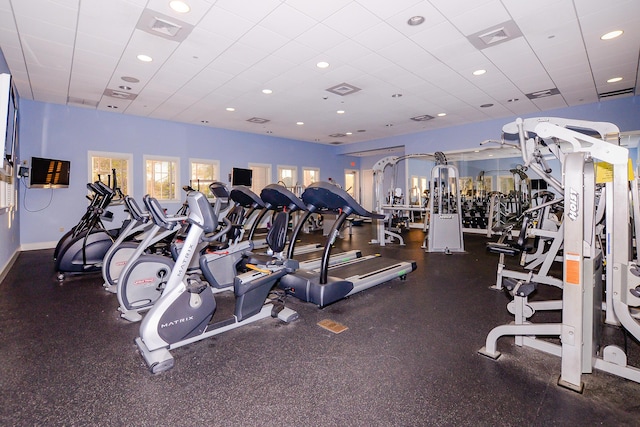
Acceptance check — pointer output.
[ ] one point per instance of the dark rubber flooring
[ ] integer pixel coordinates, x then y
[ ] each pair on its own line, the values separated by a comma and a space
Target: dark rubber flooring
408, 358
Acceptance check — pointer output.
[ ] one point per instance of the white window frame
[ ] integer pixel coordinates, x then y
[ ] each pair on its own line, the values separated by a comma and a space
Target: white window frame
306, 169
210, 162
294, 175
121, 156
268, 171
176, 160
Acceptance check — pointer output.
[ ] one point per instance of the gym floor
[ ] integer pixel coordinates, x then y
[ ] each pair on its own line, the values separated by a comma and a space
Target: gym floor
408, 358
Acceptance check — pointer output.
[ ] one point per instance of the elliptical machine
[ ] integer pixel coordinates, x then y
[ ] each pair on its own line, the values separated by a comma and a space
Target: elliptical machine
184, 312
82, 249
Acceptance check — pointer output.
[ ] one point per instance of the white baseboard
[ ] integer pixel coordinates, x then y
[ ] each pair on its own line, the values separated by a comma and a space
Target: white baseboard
38, 246
8, 265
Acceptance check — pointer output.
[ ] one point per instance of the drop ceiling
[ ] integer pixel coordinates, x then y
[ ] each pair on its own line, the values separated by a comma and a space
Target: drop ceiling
384, 77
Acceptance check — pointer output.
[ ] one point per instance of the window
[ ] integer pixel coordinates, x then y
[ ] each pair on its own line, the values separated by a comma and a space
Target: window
6, 190
288, 176
309, 176
505, 184
101, 166
203, 173
161, 177
416, 192
261, 176
351, 184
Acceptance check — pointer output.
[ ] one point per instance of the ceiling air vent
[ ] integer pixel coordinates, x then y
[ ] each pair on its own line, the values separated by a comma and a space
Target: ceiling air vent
343, 89
120, 94
337, 135
495, 35
628, 91
543, 93
164, 26
258, 120
423, 118
82, 102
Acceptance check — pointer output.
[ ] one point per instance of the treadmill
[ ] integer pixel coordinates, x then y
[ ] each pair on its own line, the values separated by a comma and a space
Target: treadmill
276, 197
317, 285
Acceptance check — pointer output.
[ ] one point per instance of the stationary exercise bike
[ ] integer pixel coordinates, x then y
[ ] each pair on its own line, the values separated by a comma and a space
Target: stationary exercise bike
186, 309
139, 234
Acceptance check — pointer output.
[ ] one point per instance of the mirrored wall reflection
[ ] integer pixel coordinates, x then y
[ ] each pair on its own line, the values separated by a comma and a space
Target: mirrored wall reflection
496, 171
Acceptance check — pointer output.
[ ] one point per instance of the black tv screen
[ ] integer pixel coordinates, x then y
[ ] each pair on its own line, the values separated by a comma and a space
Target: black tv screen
49, 173
241, 176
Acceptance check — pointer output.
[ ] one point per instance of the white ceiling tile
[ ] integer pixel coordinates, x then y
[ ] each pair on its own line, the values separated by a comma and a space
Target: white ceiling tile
253, 10
408, 54
385, 9
318, 10
223, 22
379, 36
451, 8
372, 63
287, 21
263, 40
320, 37
295, 52
482, 17
518, 8
351, 20
348, 51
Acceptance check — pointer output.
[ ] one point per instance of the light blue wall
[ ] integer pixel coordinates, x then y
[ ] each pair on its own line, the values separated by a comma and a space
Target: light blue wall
68, 133
9, 221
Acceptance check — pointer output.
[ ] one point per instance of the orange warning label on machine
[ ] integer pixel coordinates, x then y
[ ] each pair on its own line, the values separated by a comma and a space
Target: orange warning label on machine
572, 269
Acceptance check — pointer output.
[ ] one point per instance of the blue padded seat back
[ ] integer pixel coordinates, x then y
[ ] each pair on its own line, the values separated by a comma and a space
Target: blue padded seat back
277, 235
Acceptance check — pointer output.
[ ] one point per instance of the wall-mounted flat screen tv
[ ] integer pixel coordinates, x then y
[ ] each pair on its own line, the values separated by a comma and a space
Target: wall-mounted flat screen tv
241, 176
49, 173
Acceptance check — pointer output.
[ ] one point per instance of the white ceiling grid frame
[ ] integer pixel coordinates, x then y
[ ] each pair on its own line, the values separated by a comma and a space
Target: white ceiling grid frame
252, 10
386, 9
318, 10
48, 33
351, 20
12, 49
287, 21
483, 16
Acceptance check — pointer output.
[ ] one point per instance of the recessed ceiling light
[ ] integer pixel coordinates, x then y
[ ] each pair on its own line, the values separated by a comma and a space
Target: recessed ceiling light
299, 123
348, 133
479, 72
322, 64
486, 105
476, 151
415, 20
145, 58
442, 114
490, 155
611, 35
396, 95
204, 121
267, 91
130, 79
614, 80
513, 100
230, 109
389, 125
179, 6
123, 87
112, 106
340, 111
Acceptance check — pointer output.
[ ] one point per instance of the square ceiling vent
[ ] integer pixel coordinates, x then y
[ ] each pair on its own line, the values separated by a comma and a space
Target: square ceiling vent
495, 35
543, 93
258, 120
164, 26
120, 94
422, 118
343, 89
